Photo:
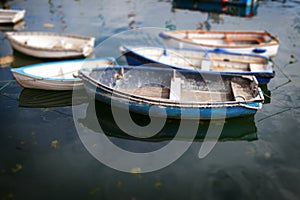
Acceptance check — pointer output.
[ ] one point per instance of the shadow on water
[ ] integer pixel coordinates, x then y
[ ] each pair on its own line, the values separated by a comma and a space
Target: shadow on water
246, 126
34, 98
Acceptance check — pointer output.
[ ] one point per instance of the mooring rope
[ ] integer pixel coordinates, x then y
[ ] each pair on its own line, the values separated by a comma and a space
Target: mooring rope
8, 82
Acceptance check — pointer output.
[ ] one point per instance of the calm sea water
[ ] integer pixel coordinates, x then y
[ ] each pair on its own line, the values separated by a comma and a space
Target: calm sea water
42, 157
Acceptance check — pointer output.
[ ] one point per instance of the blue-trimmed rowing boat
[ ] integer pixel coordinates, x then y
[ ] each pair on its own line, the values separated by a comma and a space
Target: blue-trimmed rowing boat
211, 61
59, 75
174, 94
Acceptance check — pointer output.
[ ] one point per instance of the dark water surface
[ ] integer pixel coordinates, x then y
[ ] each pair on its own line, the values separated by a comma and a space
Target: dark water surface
42, 157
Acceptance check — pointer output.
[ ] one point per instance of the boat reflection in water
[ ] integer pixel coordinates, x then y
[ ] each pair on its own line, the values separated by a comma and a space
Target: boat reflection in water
266, 92
34, 98
243, 128
242, 8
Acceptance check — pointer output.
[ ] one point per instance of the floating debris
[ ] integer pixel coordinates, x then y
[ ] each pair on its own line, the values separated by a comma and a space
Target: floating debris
54, 144
158, 185
267, 155
48, 25
6, 61
2, 171
94, 191
22, 142
136, 170
9, 196
119, 184
17, 168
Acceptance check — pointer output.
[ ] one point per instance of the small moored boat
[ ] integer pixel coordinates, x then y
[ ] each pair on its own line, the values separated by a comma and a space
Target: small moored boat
61, 75
8, 16
34, 98
175, 94
215, 61
259, 42
51, 45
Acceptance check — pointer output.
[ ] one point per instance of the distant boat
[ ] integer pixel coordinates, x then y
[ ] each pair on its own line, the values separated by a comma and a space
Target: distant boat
176, 93
259, 42
61, 75
8, 16
243, 9
51, 45
216, 61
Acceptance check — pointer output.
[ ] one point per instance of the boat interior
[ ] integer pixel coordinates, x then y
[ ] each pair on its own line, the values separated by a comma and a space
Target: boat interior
185, 89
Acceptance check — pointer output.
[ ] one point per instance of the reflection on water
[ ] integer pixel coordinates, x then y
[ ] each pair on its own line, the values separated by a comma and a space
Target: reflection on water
214, 10
218, 7
247, 129
266, 92
34, 98
57, 12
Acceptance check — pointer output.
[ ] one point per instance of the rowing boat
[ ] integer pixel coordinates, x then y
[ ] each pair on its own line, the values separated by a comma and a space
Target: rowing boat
259, 42
60, 75
51, 45
8, 16
174, 93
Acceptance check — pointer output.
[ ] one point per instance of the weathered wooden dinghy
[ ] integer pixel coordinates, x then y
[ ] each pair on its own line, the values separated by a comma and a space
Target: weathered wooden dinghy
175, 94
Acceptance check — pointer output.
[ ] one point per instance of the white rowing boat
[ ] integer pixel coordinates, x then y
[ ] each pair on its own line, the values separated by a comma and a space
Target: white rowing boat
259, 42
59, 75
51, 45
11, 16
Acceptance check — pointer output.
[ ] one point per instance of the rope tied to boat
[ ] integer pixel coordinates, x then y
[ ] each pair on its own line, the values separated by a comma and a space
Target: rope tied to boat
6, 84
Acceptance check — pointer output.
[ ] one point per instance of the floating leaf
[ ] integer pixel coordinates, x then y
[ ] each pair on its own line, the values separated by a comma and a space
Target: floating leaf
136, 170
54, 144
267, 155
48, 25
17, 168
119, 184
94, 191
158, 185
23, 142
6, 60
9, 196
